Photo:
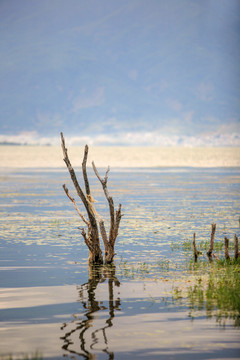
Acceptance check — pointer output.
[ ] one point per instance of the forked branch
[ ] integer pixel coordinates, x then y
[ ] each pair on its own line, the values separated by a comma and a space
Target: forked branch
115, 218
72, 173
75, 205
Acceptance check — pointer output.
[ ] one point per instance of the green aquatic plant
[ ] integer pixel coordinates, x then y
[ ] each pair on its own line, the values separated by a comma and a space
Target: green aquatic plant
140, 270
133, 271
144, 268
214, 287
195, 295
202, 245
224, 285
163, 264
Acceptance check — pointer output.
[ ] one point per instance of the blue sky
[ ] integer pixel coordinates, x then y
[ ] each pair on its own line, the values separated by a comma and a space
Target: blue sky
109, 72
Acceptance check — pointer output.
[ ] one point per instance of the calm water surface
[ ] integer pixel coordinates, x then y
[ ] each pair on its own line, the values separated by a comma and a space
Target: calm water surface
53, 303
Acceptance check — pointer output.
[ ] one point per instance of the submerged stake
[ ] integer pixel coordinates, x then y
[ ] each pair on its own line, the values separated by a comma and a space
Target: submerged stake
236, 252
209, 253
194, 247
226, 248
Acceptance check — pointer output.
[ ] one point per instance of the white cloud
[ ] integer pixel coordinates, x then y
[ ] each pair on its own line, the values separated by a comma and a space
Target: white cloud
87, 101
155, 138
27, 138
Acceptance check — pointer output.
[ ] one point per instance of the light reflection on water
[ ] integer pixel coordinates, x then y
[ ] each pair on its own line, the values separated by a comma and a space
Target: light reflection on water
107, 319
132, 318
89, 333
123, 312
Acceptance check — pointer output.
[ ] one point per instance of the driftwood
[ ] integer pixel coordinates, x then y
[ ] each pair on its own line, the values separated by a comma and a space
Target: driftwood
94, 222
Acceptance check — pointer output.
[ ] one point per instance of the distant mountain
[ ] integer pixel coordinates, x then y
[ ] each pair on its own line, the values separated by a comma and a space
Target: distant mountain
120, 72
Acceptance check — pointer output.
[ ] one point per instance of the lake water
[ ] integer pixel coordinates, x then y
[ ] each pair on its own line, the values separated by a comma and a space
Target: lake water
53, 303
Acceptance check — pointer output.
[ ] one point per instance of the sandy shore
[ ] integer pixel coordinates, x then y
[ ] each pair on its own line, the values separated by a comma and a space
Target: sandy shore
51, 156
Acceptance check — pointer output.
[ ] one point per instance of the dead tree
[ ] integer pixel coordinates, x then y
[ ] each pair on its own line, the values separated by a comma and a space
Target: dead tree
94, 222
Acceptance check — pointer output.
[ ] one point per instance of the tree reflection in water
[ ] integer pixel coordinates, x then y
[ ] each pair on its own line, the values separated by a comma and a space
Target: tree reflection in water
83, 333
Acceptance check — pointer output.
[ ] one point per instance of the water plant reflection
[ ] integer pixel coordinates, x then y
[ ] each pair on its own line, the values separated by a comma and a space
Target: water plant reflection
216, 290
86, 334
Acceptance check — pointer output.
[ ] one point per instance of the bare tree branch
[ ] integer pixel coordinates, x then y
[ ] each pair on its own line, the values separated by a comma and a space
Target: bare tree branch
72, 173
84, 170
86, 239
89, 197
75, 205
109, 199
117, 222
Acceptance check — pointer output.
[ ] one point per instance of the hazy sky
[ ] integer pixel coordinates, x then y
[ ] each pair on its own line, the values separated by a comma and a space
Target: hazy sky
138, 72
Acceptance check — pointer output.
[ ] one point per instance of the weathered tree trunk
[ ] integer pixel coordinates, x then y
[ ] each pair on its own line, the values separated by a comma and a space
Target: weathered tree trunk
91, 238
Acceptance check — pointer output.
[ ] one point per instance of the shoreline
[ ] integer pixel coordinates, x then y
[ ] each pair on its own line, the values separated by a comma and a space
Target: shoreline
120, 157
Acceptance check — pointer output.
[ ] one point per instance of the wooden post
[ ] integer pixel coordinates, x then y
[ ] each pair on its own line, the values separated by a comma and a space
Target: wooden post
194, 248
226, 243
236, 251
209, 253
